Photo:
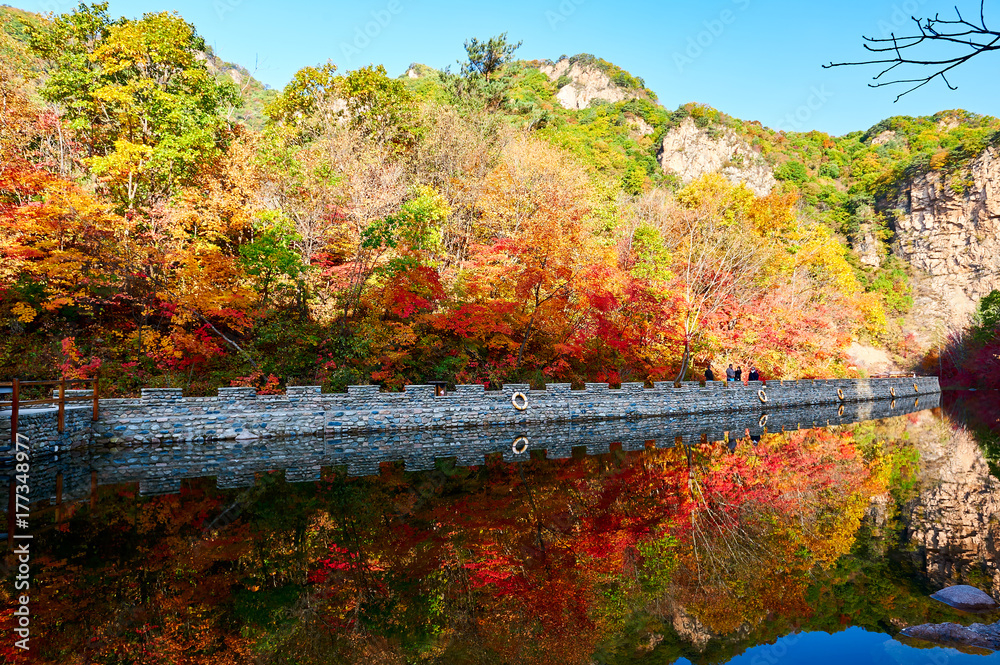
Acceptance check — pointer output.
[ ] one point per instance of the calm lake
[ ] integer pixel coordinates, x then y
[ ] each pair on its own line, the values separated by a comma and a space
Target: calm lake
714, 540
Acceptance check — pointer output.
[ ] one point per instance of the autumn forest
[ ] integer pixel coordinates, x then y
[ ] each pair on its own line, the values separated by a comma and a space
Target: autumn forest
166, 225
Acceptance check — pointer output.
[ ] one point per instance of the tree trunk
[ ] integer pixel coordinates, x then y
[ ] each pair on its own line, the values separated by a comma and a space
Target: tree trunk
524, 342
685, 361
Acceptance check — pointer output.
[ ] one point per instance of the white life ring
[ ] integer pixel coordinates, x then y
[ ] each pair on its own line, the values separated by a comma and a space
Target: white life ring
840, 411
524, 401
520, 445
762, 396
892, 391
762, 421
840, 394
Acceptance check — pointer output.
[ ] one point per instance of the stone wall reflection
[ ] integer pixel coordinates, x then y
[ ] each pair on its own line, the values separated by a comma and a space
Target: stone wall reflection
160, 468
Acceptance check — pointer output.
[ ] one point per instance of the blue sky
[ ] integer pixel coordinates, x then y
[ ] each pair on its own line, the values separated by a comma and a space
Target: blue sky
754, 59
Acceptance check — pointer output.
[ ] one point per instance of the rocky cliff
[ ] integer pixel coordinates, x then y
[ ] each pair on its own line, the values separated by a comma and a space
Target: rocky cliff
954, 524
584, 83
948, 227
690, 152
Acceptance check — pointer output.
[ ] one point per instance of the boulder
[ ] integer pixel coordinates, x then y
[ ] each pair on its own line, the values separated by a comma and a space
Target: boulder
977, 635
965, 597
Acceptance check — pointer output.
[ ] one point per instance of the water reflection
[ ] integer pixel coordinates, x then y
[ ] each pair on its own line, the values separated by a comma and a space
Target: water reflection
583, 551
160, 468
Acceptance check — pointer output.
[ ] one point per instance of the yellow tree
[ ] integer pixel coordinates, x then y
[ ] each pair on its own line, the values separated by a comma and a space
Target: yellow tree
718, 258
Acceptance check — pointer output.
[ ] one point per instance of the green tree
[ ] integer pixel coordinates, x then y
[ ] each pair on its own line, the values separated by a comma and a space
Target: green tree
792, 170
635, 176
138, 95
304, 93
486, 58
987, 317
379, 107
485, 78
270, 258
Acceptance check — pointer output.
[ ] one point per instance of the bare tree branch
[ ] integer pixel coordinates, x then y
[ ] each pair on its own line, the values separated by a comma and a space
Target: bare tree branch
971, 38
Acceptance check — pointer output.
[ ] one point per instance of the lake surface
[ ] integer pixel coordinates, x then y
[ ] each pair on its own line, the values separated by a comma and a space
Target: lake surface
709, 540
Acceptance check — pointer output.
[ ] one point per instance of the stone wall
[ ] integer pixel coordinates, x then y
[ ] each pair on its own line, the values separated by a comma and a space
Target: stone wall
238, 413
157, 468
41, 429
164, 415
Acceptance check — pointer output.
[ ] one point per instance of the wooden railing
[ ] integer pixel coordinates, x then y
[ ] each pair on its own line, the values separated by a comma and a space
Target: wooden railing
16, 403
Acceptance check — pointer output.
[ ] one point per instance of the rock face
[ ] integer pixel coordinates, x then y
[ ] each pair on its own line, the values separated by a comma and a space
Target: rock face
691, 152
871, 359
690, 629
954, 524
977, 635
965, 597
868, 248
587, 83
953, 236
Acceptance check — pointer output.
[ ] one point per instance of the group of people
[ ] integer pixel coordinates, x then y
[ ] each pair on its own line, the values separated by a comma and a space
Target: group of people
733, 374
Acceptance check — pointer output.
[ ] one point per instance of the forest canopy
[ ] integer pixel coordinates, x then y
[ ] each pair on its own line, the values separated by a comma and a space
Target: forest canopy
453, 226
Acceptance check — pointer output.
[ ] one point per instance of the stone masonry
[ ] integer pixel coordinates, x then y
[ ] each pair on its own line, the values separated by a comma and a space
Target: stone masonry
157, 468
164, 415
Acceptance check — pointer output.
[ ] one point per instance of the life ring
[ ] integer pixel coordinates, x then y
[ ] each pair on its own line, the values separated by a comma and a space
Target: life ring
524, 401
520, 445
840, 394
762, 421
916, 402
762, 396
840, 411
892, 404
916, 389
892, 391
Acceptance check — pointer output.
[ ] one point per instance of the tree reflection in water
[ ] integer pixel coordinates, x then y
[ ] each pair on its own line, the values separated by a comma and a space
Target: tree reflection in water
701, 551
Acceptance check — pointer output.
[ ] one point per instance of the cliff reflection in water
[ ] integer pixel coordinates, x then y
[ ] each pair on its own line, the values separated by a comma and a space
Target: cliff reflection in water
597, 553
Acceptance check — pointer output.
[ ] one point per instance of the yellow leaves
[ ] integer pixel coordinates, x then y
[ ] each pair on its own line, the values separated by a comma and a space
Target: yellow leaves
873, 316
24, 312
820, 251
126, 162
773, 214
531, 177
153, 42
57, 303
938, 160
710, 188
223, 204
205, 280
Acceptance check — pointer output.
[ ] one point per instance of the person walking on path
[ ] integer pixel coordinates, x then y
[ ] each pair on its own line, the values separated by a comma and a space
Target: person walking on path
739, 373
730, 374
709, 374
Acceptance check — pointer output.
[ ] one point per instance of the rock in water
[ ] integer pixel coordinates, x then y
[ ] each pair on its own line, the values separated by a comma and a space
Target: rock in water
977, 635
965, 597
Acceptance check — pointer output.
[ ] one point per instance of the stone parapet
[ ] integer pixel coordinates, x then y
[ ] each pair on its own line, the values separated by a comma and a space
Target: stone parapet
161, 467
163, 415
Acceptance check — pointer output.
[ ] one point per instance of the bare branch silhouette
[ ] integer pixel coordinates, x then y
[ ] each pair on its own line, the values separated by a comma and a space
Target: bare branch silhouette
969, 39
